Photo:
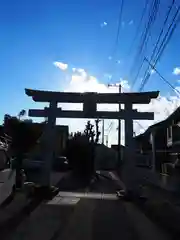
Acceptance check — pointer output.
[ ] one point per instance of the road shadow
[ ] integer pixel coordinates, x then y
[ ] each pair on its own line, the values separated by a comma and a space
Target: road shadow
73, 182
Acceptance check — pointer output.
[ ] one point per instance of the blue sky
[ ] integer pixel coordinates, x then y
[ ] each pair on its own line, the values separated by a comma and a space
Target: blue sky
35, 33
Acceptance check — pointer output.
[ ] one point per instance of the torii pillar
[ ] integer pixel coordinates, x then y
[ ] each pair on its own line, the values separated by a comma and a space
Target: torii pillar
48, 142
129, 126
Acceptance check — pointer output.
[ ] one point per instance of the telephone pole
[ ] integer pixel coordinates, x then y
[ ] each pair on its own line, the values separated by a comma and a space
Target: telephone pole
103, 131
119, 122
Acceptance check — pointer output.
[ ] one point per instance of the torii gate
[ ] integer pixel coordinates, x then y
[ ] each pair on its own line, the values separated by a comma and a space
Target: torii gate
90, 101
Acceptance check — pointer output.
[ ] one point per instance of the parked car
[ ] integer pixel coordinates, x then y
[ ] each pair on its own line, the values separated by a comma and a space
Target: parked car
7, 179
59, 164
32, 164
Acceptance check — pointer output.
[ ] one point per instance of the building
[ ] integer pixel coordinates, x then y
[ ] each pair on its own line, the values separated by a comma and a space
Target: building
61, 136
162, 142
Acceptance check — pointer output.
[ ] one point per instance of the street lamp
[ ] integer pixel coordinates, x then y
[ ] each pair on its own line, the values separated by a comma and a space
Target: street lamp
119, 122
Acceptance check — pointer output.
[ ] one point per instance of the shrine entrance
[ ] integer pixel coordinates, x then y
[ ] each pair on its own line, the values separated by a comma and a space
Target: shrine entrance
89, 101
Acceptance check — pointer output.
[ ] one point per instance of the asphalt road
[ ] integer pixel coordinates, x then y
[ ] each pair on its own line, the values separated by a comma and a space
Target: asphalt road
81, 212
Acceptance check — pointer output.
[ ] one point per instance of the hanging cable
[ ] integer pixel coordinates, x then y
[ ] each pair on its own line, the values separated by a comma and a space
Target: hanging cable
160, 35
139, 25
116, 44
164, 43
118, 29
164, 79
145, 36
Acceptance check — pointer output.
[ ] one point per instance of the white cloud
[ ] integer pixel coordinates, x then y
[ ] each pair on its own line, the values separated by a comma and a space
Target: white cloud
80, 72
81, 81
131, 22
61, 65
104, 24
176, 71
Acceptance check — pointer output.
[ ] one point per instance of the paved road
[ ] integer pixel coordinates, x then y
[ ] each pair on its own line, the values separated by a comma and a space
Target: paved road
76, 216
12, 214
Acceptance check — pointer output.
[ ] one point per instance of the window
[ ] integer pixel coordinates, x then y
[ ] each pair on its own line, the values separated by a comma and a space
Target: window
169, 132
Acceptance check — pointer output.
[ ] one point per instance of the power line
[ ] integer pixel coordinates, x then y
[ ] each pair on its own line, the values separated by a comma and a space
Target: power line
116, 44
139, 25
145, 36
160, 35
118, 29
163, 78
117, 37
135, 79
168, 37
147, 72
151, 20
140, 125
162, 47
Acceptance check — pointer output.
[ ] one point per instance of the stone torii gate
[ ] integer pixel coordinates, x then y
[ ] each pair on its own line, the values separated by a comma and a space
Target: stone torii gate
90, 101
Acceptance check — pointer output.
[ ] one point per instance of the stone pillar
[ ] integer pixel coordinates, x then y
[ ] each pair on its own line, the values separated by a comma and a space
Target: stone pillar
48, 144
129, 126
129, 169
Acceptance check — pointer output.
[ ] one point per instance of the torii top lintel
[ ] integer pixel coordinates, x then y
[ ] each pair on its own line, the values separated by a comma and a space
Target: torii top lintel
74, 97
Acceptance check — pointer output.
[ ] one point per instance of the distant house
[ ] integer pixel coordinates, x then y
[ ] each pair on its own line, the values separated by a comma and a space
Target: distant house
61, 136
161, 140
173, 130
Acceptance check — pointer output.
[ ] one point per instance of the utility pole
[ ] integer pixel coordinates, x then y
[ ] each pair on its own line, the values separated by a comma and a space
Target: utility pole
119, 123
103, 131
119, 131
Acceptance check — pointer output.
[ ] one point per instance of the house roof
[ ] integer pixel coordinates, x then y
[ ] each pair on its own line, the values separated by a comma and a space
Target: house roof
174, 116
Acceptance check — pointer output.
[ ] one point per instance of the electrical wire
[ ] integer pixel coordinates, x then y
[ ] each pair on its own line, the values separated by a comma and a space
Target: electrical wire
145, 36
140, 125
161, 48
139, 25
164, 79
151, 20
164, 43
118, 29
160, 35
116, 44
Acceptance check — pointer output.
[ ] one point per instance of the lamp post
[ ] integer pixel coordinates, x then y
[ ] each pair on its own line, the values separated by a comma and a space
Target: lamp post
119, 122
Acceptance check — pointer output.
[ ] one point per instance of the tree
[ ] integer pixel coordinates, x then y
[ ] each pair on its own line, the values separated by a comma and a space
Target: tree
81, 149
89, 131
97, 131
22, 113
